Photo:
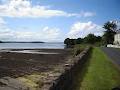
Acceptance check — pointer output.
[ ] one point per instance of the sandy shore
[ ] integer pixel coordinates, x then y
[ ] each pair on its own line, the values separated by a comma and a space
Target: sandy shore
19, 62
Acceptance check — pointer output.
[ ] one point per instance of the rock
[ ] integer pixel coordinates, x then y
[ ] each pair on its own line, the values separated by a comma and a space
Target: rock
6, 88
11, 84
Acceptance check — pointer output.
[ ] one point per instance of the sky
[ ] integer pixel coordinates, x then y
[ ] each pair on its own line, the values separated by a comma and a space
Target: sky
54, 20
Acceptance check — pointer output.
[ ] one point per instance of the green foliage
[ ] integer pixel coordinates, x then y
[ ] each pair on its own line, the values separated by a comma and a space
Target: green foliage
110, 25
79, 41
89, 39
78, 48
70, 41
108, 36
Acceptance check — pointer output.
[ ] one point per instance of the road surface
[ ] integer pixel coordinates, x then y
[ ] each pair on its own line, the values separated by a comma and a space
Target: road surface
113, 54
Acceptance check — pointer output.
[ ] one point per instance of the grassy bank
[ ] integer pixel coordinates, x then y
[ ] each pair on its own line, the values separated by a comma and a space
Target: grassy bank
98, 74
78, 48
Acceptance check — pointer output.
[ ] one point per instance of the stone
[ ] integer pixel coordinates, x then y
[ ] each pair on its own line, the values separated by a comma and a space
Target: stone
6, 88
11, 84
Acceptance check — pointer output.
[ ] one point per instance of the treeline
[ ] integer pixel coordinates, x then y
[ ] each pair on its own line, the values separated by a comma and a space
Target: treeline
89, 39
111, 28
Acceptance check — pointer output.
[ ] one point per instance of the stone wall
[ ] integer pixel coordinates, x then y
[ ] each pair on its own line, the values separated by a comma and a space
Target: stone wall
64, 80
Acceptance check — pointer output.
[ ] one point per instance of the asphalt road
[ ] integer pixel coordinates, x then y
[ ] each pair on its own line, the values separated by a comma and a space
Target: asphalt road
113, 54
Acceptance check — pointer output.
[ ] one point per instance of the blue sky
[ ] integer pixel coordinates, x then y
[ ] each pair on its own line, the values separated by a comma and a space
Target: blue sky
53, 20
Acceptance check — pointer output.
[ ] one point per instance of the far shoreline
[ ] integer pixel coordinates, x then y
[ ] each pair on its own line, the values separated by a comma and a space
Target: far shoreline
21, 42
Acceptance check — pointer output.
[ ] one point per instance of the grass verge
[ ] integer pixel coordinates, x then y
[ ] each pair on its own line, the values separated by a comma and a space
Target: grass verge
78, 48
98, 73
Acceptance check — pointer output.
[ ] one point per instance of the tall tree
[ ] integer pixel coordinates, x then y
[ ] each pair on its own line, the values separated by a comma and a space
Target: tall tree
108, 36
90, 38
69, 41
79, 40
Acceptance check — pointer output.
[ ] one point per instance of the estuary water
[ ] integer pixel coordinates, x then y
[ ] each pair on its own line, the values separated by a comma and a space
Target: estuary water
46, 45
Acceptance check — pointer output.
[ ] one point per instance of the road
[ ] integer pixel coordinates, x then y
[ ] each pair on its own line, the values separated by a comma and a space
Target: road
113, 54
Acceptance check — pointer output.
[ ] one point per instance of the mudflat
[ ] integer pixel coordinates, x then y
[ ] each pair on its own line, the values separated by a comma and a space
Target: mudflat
19, 62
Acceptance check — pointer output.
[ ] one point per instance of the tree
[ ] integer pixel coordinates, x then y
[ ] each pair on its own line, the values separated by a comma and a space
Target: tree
90, 39
108, 36
79, 41
98, 38
68, 41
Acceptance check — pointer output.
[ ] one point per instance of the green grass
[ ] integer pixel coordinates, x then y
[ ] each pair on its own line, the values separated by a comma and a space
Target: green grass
98, 74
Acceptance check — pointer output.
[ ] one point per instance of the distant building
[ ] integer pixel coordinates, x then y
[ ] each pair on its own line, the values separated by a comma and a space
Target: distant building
117, 38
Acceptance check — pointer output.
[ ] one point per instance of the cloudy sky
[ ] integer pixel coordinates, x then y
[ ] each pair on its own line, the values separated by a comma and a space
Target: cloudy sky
54, 20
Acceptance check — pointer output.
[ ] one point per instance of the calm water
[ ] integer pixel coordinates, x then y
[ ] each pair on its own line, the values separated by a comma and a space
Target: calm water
31, 45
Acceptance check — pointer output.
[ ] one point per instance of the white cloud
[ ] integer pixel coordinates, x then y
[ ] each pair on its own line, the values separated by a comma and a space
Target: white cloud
46, 34
24, 8
80, 29
87, 14
2, 21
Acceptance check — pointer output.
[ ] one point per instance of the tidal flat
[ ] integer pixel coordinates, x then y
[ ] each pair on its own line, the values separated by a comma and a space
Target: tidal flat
31, 67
